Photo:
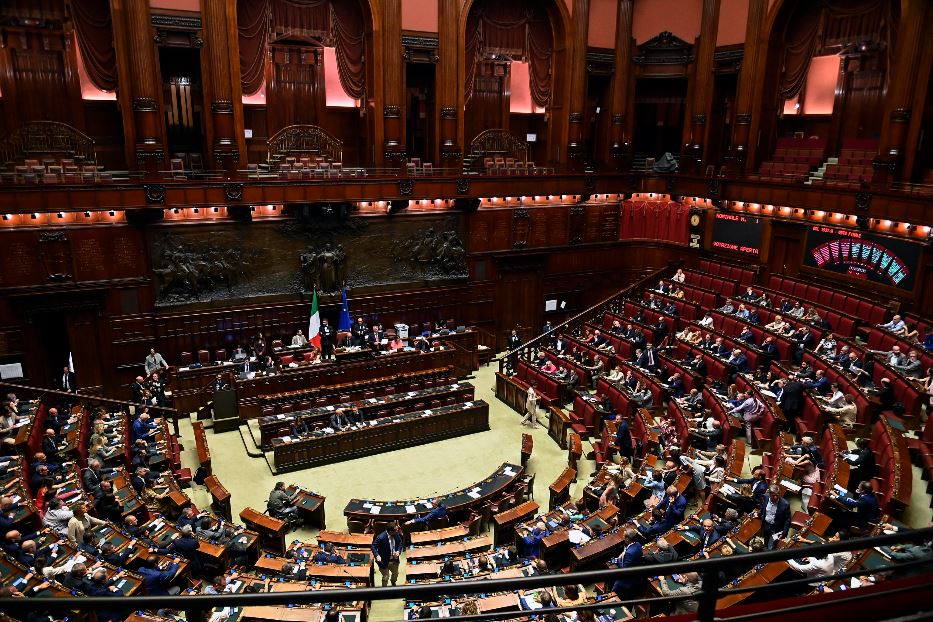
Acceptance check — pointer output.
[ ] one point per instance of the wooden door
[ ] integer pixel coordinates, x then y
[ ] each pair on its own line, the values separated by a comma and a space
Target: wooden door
519, 301
85, 349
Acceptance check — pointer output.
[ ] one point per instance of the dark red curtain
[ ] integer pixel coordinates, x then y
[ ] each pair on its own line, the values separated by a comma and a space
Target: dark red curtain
303, 18
253, 36
94, 31
826, 26
348, 35
516, 29
654, 220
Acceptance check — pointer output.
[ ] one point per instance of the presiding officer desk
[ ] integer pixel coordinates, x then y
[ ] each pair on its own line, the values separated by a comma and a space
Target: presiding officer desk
191, 385
311, 375
325, 446
361, 511
273, 426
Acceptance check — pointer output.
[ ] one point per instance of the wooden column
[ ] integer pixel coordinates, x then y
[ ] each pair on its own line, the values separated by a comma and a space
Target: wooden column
393, 69
623, 90
748, 85
575, 148
223, 96
140, 85
449, 151
898, 106
701, 102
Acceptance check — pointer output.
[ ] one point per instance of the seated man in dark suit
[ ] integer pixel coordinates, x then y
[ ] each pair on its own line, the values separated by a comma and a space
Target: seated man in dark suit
339, 420
705, 531
866, 510
659, 523
298, 428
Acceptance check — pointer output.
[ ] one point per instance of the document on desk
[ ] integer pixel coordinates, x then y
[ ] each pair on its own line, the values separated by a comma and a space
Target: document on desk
842, 491
411, 509
375, 509
508, 471
726, 489
790, 485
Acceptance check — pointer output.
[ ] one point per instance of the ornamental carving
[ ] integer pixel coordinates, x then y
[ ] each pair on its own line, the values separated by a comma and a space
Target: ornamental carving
664, 49
699, 119
155, 193
589, 183
406, 187
463, 185
323, 270
862, 200
901, 115
439, 254
743, 118
144, 104
392, 112
222, 106
712, 188
521, 212
576, 117
617, 119
449, 113
233, 191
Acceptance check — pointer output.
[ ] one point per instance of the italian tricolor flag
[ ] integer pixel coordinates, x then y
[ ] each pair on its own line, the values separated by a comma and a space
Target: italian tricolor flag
314, 324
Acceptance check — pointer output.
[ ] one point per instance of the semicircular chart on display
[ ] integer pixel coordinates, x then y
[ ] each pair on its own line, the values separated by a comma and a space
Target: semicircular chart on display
864, 256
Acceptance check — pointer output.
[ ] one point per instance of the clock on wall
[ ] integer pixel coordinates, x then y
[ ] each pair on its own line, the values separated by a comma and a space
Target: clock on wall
694, 220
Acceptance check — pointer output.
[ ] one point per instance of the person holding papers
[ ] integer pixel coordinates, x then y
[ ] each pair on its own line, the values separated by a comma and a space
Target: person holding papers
438, 512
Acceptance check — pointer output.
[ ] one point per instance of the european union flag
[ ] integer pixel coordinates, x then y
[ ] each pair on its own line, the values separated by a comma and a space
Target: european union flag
344, 323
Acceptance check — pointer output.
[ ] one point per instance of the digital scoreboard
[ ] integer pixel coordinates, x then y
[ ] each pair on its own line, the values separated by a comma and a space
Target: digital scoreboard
737, 233
862, 255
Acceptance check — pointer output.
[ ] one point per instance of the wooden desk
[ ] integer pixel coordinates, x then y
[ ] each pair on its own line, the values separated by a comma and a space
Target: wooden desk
220, 497
282, 614
596, 550
271, 530
574, 450
249, 392
480, 543
560, 489
475, 495
360, 540
310, 505
418, 538
558, 425
528, 443
273, 426
200, 441
389, 433
504, 522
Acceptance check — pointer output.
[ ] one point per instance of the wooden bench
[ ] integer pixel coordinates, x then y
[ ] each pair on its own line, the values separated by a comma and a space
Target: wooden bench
560, 489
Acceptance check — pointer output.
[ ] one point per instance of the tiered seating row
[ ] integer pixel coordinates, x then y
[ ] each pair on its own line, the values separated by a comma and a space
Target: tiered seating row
866, 310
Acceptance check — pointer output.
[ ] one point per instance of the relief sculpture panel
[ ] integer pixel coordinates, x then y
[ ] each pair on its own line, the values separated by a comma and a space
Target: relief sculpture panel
201, 263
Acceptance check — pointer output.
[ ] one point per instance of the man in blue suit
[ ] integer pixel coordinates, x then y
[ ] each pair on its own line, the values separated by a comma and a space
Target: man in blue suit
438, 512
631, 557
738, 363
159, 582
143, 428
623, 437
387, 547
819, 384
774, 512
866, 509
707, 533
674, 505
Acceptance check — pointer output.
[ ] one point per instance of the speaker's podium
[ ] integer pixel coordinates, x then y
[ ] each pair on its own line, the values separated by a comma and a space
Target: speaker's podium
226, 414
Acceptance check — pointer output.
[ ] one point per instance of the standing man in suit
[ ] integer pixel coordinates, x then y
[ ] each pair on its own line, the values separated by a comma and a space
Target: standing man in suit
774, 513
791, 402
154, 362
632, 556
862, 462
327, 340
387, 547
623, 438
358, 332
67, 382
